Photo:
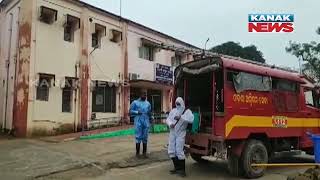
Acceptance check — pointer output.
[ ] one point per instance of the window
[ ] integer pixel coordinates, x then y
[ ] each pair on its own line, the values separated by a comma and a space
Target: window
312, 98
67, 92
147, 52
48, 15
100, 31
68, 33
247, 81
286, 98
284, 85
104, 98
231, 75
71, 25
66, 99
116, 36
43, 87
309, 98
96, 40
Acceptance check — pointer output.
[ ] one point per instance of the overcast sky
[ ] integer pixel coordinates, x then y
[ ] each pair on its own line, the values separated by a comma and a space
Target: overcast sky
194, 21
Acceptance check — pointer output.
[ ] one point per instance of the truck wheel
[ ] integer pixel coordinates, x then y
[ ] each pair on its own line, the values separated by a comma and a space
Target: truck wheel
254, 152
198, 158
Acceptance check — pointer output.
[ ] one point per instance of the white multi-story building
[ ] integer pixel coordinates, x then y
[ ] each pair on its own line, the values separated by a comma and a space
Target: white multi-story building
65, 62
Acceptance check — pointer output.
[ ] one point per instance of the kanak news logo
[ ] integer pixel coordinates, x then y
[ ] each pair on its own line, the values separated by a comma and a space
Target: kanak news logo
274, 23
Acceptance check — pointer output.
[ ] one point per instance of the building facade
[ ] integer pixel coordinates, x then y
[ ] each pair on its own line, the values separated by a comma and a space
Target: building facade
65, 63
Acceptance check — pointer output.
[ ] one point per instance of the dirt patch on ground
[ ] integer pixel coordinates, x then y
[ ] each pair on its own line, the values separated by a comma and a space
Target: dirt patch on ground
98, 169
83, 172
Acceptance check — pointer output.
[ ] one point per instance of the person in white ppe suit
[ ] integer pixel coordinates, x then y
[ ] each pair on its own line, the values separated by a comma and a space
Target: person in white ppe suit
178, 121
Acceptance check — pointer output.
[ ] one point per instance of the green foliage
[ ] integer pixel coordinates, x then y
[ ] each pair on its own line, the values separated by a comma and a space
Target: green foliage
235, 49
310, 54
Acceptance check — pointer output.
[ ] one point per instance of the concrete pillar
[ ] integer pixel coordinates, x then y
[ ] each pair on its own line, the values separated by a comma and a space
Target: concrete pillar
126, 87
84, 68
21, 90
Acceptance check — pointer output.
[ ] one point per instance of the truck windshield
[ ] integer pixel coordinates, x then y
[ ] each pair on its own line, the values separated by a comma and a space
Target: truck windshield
312, 98
309, 98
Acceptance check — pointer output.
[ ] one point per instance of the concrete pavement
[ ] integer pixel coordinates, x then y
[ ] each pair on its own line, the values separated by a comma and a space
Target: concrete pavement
30, 158
107, 159
213, 170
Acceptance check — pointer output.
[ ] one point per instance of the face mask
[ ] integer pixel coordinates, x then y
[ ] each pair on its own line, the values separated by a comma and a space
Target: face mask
143, 98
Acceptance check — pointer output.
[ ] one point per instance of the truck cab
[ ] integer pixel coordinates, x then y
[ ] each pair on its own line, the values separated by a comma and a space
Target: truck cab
247, 111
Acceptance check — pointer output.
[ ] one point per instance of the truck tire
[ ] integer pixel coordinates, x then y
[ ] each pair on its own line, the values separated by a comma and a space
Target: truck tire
254, 152
198, 158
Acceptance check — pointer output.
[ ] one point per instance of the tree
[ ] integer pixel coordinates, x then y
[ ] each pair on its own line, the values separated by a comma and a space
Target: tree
235, 49
310, 54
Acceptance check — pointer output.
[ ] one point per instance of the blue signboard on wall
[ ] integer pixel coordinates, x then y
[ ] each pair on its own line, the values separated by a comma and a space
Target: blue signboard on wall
163, 74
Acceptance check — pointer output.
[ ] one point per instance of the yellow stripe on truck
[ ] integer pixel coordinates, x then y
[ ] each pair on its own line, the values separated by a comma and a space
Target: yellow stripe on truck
266, 121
